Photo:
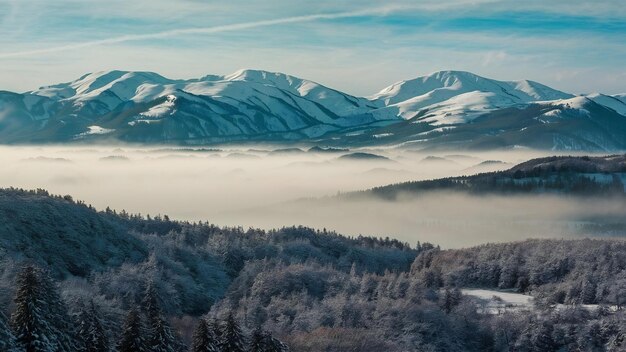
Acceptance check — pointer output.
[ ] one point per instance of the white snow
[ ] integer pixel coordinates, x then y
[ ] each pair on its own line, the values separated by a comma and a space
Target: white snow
612, 102
233, 102
161, 110
495, 302
94, 130
452, 97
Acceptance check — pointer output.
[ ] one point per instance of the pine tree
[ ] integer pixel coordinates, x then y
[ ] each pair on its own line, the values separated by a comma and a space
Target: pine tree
7, 339
543, 340
61, 322
132, 335
262, 341
151, 303
203, 338
29, 321
161, 338
232, 339
257, 341
91, 332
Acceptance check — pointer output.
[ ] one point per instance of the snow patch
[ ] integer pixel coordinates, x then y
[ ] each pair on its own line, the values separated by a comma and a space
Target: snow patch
95, 130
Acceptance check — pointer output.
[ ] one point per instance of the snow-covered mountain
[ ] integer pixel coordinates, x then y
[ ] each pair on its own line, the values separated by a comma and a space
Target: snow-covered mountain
253, 105
456, 96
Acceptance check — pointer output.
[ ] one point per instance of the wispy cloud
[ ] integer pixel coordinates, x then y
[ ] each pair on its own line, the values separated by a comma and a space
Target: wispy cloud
377, 11
357, 46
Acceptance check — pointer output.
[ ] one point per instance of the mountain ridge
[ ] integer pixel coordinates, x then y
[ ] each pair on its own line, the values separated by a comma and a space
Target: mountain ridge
255, 105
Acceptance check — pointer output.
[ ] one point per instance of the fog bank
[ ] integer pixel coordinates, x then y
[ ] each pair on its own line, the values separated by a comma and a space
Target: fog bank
257, 187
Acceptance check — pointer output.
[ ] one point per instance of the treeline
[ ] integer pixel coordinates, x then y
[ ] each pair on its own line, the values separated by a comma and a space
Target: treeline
40, 322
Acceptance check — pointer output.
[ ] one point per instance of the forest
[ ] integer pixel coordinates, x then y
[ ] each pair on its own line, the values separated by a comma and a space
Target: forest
73, 278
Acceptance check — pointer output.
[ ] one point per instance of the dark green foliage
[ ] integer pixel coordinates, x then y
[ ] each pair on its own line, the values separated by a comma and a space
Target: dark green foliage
37, 319
132, 339
91, 333
160, 336
7, 339
232, 339
262, 341
204, 339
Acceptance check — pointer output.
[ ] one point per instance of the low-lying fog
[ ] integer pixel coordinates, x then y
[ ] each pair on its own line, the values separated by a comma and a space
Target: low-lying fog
257, 187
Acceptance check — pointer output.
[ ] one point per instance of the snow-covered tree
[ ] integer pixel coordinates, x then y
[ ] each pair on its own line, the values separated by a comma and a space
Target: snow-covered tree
30, 320
7, 339
262, 341
257, 341
61, 322
203, 338
232, 339
132, 339
542, 339
160, 336
91, 333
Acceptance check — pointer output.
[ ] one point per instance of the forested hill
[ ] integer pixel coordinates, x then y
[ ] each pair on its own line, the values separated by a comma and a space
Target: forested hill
313, 290
556, 271
118, 252
597, 176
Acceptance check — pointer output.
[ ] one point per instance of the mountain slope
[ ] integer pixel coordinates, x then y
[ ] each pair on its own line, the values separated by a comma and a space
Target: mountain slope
578, 123
146, 107
454, 94
447, 109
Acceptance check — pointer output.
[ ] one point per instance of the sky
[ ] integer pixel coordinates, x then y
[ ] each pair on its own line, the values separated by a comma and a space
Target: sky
357, 46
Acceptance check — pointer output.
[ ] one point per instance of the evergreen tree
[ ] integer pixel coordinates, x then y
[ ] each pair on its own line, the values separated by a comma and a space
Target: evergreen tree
132, 335
160, 338
203, 338
232, 339
61, 322
91, 332
262, 341
451, 298
216, 329
151, 302
29, 321
257, 341
7, 339
543, 340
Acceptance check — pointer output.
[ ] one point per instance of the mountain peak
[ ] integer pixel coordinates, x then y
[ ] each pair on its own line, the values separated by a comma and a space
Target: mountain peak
442, 85
280, 80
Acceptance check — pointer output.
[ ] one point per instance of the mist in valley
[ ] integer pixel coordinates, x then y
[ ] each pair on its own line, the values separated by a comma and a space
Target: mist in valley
269, 187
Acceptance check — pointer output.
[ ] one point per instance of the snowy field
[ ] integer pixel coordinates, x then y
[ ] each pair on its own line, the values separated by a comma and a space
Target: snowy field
496, 302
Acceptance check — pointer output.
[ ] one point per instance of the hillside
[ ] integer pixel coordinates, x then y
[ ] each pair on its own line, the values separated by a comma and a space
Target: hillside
316, 290
567, 175
117, 253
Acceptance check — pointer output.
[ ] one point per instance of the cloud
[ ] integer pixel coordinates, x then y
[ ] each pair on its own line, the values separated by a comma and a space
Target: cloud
378, 11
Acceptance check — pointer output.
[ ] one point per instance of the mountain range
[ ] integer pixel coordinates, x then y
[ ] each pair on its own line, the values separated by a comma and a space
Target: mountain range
447, 110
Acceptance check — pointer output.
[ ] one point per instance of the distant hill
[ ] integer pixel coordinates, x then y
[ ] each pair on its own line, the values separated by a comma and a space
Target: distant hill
562, 174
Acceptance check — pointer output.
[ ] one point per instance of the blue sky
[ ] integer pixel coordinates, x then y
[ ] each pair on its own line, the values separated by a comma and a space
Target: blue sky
356, 46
